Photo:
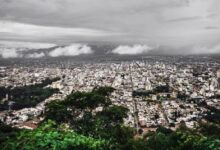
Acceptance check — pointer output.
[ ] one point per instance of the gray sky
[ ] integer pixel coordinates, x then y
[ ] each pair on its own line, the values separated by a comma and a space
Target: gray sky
173, 23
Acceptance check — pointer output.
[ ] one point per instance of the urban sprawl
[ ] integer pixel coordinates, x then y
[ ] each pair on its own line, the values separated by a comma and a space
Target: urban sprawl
156, 93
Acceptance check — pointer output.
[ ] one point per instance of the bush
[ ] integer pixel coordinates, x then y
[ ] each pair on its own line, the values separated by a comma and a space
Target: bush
48, 137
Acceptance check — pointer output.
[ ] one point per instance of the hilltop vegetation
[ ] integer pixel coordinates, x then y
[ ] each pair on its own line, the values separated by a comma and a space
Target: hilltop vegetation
88, 120
27, 96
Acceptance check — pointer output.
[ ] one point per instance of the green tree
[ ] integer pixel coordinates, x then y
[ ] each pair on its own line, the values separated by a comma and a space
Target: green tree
79, 110
51, 136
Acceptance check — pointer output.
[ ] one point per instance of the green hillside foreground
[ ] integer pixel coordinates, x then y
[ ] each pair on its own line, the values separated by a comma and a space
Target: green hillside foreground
47, 137
72, 124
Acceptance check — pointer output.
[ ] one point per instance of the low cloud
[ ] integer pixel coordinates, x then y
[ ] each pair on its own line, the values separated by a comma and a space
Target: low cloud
36, 55
71, 50
131, 50
9, 53
9, 49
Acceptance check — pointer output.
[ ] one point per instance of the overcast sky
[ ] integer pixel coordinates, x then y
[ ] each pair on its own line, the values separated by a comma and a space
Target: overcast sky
174, 23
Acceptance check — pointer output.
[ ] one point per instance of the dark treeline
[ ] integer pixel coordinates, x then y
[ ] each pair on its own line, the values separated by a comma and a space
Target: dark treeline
158, 89
75, 123
27, 96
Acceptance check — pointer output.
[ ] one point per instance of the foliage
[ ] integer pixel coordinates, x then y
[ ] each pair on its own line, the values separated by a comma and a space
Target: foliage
86, 100
81, 111
158, 89
213, 115
78, 111
77, 104
142, 93
88, 120
58, 137
47, 81
3, 92
182, 96
58, 112
165, 139
6, 132
209, 129
48, 137
106, 90
108, 123
162, 89
27, 96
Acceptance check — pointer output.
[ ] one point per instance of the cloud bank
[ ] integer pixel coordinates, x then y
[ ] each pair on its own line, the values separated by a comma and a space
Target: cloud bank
144, 21
9, 49
36, 31
35, 55
9, 53
131, 50
28, 50
71, 50
25, 45
206, 50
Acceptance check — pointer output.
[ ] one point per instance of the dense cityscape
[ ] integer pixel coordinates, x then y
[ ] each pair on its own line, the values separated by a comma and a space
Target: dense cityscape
159, 93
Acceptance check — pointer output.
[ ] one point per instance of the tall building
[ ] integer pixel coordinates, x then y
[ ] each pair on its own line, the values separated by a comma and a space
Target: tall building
218, 77
218, 73
148, 86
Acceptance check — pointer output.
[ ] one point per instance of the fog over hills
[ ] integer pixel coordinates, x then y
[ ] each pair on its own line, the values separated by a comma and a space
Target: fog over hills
9, 49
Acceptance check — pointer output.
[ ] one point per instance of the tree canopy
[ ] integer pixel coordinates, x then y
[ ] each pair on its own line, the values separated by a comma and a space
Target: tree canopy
88, 120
